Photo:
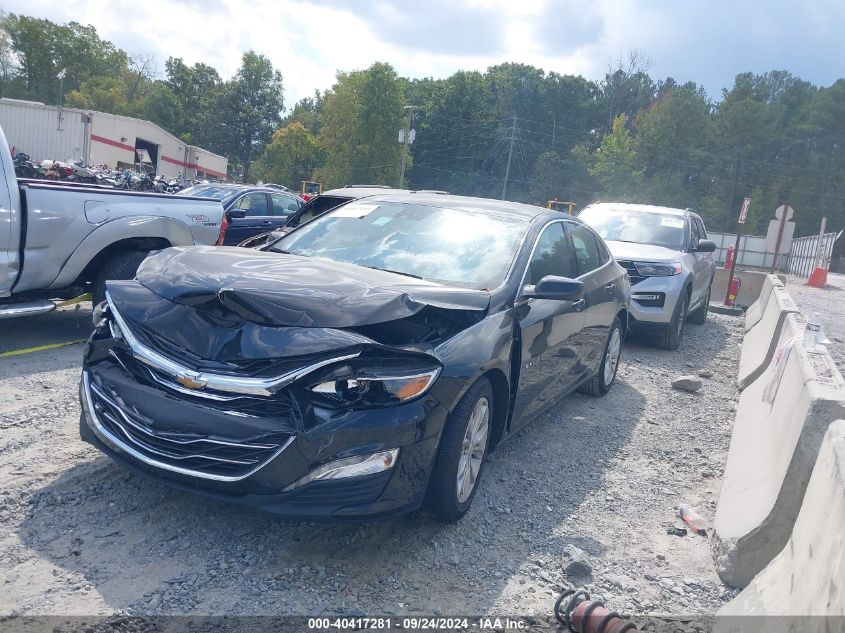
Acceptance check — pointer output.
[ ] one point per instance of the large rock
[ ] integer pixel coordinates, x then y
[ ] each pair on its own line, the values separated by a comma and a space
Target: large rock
576, 564
687, 383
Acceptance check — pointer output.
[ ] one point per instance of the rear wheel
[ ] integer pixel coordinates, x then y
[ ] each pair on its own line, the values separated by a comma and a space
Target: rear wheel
122, 266
675, 330
700, 315
601, 383
463, 448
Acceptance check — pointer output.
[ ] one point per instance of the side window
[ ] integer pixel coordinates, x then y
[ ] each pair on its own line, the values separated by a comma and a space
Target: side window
284, 205
586, 249
318, 206
552, 255
701, 230
695, 233
254, 204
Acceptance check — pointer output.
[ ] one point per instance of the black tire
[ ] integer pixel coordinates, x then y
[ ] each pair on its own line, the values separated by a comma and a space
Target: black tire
443, 498
674, 332
599, 384
122, 266
699, 316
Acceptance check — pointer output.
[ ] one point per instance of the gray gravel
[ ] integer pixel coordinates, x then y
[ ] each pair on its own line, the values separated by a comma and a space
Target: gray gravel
829, 303
80, 535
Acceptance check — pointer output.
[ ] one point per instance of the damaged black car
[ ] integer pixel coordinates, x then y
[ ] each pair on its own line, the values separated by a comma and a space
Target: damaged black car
360, 367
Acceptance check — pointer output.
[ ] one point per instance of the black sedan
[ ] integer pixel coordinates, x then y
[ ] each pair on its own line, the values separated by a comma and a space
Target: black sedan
364, 366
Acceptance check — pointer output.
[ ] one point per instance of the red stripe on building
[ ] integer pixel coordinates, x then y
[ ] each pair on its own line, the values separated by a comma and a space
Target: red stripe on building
108, 141
181, 163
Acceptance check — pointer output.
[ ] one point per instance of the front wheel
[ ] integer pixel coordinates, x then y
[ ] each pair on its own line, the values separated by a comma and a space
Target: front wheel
601, 383
675, 329
460, 459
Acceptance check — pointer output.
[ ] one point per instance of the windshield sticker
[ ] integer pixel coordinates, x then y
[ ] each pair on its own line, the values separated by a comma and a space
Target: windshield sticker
355, 210
675, 223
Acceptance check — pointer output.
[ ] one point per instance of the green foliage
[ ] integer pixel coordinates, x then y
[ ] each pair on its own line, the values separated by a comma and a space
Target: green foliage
361, 117
615, 166
291, 156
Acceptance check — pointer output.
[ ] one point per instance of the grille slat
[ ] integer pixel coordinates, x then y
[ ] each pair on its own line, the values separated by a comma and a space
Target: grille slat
215, 456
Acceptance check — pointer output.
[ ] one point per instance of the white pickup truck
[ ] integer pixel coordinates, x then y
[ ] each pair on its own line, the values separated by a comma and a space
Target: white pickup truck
62, 240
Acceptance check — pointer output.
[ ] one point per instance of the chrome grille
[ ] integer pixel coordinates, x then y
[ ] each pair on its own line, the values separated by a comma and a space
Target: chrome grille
211, 457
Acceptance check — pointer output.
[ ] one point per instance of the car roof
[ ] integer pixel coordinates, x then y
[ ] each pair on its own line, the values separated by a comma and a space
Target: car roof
516, 210
643, 208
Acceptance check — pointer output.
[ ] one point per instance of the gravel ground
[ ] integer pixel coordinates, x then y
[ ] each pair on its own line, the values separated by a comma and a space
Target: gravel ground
828, 302
80, 535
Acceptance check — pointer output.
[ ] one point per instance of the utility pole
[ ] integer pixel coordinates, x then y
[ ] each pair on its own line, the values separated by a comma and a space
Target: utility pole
406, 140
510, 157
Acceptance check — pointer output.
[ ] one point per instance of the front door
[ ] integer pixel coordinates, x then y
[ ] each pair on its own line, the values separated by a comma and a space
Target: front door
258, 218
550, 331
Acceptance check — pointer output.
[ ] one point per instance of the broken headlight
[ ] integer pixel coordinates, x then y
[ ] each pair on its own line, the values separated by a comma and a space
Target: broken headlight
373, 386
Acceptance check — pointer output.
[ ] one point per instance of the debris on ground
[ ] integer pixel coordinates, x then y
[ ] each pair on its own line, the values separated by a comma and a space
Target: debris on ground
693, 519
687, 383
676, 531
575, 562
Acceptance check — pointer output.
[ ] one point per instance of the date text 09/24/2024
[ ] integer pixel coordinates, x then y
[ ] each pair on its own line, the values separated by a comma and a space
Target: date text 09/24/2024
416, 623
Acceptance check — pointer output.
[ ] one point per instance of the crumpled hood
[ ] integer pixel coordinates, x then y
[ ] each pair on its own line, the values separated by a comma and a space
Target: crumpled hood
289, 290
642, 252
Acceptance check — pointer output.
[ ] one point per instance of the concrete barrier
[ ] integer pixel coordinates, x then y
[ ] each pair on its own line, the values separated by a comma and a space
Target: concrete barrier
773, 448
761, 341
807, 578
755, 310
751, 285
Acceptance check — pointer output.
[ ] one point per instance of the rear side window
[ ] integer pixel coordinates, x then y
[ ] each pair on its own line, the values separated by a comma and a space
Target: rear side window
284, 205
586, 247
552, 255
254, 204
318, 206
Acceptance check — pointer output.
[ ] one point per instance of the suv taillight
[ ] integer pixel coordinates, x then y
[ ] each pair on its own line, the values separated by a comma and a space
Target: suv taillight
224, 225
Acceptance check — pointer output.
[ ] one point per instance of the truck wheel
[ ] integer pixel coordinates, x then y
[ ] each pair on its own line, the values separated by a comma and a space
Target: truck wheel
700, 315
123, 266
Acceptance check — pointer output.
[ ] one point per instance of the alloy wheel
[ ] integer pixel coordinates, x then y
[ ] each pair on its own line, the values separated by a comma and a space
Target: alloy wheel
472, 449
611, 359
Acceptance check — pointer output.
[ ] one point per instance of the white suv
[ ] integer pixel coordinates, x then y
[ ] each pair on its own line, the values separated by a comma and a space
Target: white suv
669, 259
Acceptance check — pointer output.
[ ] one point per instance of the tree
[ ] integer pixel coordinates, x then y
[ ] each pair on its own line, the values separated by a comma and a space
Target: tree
291, 156
7, 57
362, 116
615, 163
250, 109
548, 180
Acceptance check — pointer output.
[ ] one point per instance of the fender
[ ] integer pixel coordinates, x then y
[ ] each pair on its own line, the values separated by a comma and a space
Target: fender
177, 233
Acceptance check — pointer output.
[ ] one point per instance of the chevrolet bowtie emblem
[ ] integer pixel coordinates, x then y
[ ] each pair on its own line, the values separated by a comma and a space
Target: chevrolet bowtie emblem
190, 382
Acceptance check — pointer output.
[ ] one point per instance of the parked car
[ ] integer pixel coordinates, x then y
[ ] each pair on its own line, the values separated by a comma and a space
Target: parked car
59, 240
366, 363
669, 259
317, 205
250, 210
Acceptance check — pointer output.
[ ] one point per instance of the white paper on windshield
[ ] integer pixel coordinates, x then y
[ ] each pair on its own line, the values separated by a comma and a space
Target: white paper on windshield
355, 210
675, 223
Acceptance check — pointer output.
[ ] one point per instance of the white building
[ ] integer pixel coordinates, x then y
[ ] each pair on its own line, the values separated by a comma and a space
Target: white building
51, 132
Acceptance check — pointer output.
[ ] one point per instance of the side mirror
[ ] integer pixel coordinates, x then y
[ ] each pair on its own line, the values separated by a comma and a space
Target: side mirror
555, 288
236, 214
705, 246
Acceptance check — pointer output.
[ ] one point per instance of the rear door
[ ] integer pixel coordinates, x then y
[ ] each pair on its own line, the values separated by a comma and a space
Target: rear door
550, 331
600, 275
258, 218
284, 206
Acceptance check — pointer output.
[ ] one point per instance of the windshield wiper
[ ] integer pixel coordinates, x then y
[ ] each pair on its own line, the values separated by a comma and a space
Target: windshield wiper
395, 272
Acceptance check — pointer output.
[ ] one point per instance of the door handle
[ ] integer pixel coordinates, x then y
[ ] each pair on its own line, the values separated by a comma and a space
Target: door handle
579, 305
610, 287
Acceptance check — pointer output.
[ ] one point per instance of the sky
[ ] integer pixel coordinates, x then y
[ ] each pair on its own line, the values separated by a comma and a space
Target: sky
706, 41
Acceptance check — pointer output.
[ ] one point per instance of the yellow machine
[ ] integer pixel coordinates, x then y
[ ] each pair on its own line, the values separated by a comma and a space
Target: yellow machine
312, 188
559, 205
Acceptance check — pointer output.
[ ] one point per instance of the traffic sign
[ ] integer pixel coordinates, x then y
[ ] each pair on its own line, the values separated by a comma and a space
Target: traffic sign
780, 210
743, 213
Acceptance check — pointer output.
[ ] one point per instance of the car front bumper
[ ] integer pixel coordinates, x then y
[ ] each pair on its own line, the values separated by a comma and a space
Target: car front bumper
646, 316
414, 428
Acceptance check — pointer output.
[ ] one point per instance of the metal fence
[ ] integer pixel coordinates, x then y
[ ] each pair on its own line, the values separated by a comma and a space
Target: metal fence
752, 251
803, 254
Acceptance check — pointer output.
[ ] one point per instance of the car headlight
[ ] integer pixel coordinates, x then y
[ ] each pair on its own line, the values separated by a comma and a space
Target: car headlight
653, 269
348, 386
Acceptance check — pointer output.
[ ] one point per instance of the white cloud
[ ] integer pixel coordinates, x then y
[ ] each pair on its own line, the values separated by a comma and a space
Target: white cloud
309, 40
